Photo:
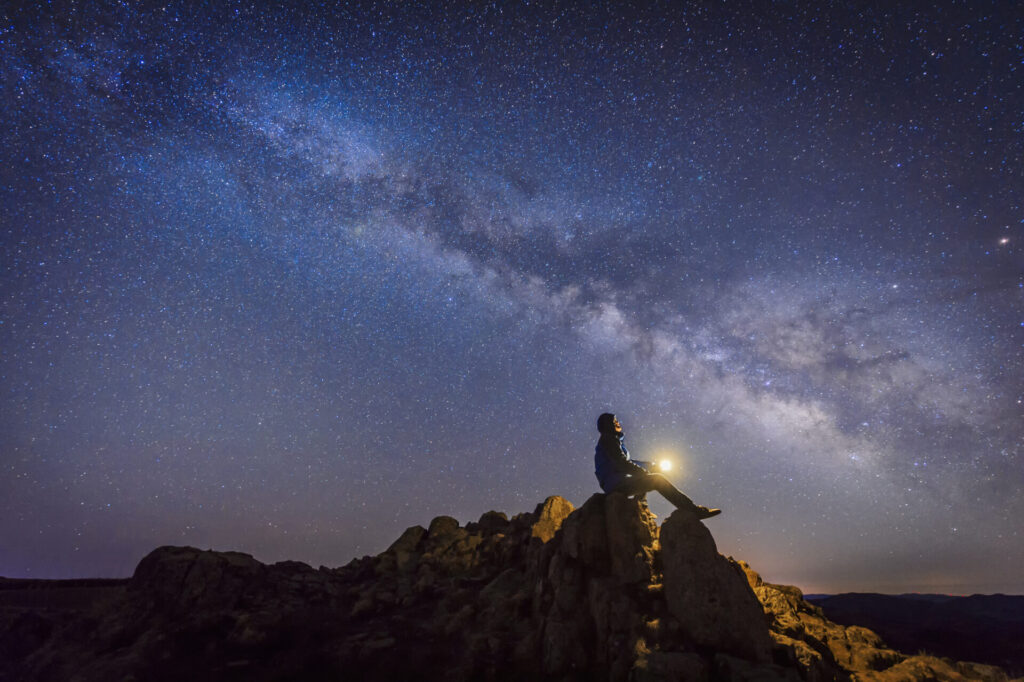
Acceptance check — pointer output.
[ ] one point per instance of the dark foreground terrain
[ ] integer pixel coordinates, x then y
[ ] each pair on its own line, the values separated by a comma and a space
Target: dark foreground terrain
985, 628
596, 593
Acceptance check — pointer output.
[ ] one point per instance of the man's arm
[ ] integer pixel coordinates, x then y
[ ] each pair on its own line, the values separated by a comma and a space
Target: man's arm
623, 464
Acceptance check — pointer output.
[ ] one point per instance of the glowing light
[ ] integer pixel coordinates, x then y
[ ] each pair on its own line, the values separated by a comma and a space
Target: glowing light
1004, 240
665, 465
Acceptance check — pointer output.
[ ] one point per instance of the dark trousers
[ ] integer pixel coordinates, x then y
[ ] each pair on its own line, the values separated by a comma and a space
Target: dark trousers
639, 484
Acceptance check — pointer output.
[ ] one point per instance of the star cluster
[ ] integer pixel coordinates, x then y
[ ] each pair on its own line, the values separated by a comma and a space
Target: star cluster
290, 279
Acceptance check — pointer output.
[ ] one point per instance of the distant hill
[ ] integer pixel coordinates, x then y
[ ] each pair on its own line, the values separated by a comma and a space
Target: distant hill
983, 628
59, 595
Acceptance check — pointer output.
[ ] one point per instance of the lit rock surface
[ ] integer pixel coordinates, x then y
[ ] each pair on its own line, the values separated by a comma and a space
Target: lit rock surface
595, 593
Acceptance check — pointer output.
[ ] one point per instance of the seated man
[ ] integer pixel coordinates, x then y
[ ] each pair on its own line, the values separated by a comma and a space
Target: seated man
617, 473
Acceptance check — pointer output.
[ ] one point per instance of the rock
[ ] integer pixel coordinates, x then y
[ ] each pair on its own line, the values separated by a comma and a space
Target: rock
493, 522
564, 649
731, 669
408, 541
632, 539
793, 653
804, 638
585, 533
186, 578
403, 553
442, 529
926, 668
662, 666
550, 515
708, 594
26, 632
595, 593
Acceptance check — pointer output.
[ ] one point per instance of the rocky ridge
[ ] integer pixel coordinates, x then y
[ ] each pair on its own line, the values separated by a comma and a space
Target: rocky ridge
595, 593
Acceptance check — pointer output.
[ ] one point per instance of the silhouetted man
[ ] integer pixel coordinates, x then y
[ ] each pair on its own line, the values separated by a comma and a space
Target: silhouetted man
617, 473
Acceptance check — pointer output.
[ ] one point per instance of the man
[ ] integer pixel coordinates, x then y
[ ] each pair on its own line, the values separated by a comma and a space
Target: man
617, 473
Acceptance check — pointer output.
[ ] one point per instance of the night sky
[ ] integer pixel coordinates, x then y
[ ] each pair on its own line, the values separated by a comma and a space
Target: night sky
287, 281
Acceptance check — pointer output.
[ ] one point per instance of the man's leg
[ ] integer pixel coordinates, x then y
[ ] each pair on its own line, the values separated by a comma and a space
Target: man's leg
642, 483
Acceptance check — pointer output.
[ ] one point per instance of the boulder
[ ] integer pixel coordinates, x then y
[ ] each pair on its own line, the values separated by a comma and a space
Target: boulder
585, 533
708, 594
442, 531
404, 550
493, 522
550, 515
186, 578
632, 539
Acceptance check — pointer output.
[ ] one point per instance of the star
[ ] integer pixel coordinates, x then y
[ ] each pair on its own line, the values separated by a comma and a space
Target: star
293, 278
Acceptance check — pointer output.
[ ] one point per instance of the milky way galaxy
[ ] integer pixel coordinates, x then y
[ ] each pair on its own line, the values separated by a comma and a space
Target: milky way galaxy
289, 280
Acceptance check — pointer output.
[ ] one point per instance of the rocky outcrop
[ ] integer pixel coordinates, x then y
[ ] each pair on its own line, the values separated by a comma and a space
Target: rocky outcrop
595, 593
987, 628
709, 595
822, 650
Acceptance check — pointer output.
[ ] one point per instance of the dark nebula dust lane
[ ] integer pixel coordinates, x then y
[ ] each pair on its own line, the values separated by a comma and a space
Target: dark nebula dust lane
289, 280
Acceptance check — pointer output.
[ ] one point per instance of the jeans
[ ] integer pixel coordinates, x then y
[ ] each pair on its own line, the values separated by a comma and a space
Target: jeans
638, 484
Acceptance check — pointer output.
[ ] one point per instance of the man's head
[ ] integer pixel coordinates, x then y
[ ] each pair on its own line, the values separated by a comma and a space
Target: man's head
608, 424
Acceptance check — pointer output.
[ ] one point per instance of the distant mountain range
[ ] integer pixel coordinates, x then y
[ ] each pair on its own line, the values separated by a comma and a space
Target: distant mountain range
981, 628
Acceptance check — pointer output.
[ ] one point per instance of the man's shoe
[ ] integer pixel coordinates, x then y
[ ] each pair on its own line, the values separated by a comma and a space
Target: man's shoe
705, 513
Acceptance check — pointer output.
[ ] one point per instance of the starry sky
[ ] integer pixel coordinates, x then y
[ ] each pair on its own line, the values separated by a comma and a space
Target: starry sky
290, 280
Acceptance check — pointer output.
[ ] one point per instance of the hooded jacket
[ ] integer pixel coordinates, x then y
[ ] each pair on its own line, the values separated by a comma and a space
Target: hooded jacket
612, 464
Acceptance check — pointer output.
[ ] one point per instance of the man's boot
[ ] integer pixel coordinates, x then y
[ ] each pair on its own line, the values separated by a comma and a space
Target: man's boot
705, 513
